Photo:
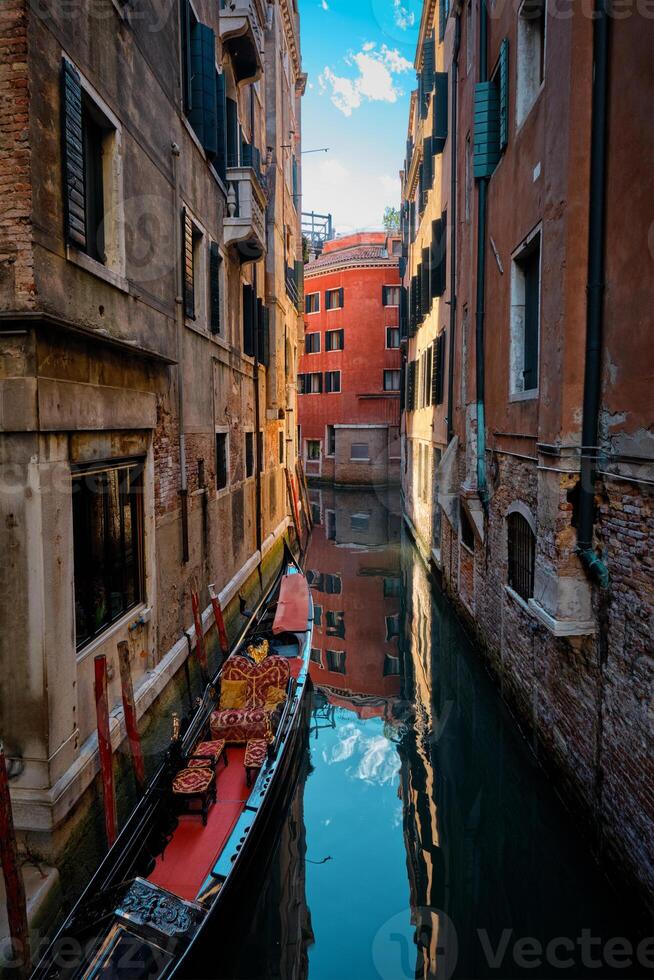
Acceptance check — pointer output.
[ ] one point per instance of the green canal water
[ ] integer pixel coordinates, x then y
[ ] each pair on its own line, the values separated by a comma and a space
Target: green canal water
423, 839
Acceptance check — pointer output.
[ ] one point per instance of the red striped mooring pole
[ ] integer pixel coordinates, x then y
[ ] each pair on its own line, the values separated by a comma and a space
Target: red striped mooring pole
131, 723
14, 885
104, 745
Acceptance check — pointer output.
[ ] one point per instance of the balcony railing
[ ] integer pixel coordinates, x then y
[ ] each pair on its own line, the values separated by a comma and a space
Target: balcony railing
245, 223
241, 31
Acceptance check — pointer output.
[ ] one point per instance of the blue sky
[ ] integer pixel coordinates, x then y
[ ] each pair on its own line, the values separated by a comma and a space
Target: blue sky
359, 58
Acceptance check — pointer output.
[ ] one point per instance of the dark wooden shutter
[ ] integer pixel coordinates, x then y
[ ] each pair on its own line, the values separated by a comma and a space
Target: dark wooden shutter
404, 326
442, 18
486, 147
428, 63
202, 115
442, 273
341, 297
187, 265
214, 287
410, 386
319, 376
306, 304
530, 268
439, 122
384, 296
249, 301
263, 330
185, 44
232, 133
221, 126
341, 334
428, 163
504, 92
73, 155
438, 369
429, 377
419, 309
437, 257
424, 283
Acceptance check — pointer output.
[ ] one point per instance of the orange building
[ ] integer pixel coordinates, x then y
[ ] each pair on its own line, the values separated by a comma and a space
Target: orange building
349, 374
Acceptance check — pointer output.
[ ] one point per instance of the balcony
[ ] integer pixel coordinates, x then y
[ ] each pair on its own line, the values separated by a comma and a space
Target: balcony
241, 32
245, 222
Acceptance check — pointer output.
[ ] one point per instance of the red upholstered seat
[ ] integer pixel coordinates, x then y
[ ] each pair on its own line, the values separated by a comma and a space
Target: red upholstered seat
238, 725
255, 756
204, 751
192, 781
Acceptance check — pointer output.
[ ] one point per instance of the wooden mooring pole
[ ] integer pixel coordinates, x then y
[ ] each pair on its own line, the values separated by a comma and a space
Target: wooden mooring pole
131, 723
305, 487
293, 502
200, 651
220, 620
14, 886
104, 745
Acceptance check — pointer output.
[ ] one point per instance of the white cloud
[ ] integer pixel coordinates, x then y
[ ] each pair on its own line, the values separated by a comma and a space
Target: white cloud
374, 83
404, 18
355, 196
324, 4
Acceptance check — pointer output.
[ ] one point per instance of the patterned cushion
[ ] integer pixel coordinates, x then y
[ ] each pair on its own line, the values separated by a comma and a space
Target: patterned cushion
274, 696
273, 672
255, 753
233, 694
238, 725
192, 781
212, 749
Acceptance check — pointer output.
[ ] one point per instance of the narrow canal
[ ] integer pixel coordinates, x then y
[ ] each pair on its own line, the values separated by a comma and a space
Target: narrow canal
423, 839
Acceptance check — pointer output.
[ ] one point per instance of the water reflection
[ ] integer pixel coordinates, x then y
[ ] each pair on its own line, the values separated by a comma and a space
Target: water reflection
423, 841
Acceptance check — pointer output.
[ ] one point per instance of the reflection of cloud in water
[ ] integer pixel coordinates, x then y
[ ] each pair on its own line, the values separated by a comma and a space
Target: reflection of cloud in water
377, 756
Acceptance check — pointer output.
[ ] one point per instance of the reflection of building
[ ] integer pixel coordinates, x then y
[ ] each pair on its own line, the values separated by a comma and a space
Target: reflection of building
349, 382
353, 568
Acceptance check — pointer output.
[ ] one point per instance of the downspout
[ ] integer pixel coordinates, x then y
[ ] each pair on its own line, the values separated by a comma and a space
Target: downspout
453, 191
258, 443
594, 566
183, 487
482, 197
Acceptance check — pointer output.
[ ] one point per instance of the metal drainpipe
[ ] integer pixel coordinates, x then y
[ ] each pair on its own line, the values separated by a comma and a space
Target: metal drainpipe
453, 191
482, 198
258, 449
183, 487
594, 566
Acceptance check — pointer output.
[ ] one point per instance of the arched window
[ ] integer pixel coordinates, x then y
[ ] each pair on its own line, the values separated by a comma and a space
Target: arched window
522, 551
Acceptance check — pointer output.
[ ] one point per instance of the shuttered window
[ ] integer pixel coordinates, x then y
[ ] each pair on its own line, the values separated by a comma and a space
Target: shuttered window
439, 122
503, 73
334, 299
249, 308
521, 555
531, 272
404, 324
438, 255
73, 161
187, 265
263, 333
438, 370
332, 382
427, 75
424, 283
221, 461
428, 375
486, 129
335, 340
312, 343
221, 124
443, 14
215, 263
428, 161
411, 387
187, 19
203, 112
233, 135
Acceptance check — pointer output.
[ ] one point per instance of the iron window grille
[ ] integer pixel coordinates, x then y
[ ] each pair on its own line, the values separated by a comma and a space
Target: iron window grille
521, 554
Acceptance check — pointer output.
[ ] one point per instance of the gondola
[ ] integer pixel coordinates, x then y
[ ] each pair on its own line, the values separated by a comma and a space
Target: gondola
195, 846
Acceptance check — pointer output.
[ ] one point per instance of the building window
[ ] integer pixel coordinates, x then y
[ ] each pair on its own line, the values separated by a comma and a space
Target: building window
333, 382
335, 340
313, 449
312, 303
391, 666
312, 343
333, 584
330, 525
222, 471
392, 338
95, 131
525, 317
360, 522
314, 579
317, 615
331, 440
316, 657
249, 454
392, 587
466, 530
531, 55
315, 514
281, 447
391, 380
360, 451
336, 624
336, 661
390, 295
310, 384
107, 545
334, 299
392, 627
521, 554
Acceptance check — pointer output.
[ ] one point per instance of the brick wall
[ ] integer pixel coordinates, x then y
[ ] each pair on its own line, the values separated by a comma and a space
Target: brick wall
16, 259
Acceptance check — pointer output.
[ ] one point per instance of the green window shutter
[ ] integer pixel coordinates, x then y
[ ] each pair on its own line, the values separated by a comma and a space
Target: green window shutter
419, 309
435, 370
342, 338
429, 375
436, 257
424, 283
404, 326
187, 265
203, 115
439, 121
428, 163
73, 155
214, 287
185, 45
341, 297
442, 18
504, 92
486, 150
428, 64
221, 126
249, 306
232, 133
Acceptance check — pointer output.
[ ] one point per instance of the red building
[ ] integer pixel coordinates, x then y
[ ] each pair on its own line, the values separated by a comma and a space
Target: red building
349, 375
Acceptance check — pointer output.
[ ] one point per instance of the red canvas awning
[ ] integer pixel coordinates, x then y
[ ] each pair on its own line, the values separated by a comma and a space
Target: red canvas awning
292, 614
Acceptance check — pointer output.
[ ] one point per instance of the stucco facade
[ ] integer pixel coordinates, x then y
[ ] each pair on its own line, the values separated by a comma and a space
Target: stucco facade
349, 370
499, 516
158, 342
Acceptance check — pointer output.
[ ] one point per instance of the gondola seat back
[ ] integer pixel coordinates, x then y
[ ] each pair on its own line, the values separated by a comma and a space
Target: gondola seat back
264, 687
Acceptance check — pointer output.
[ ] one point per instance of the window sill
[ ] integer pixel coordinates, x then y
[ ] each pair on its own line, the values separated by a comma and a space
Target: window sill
84, 261
223, 492
524, 396
523, 603
561, 627
140, 613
